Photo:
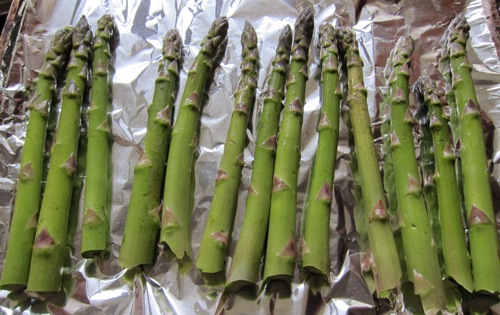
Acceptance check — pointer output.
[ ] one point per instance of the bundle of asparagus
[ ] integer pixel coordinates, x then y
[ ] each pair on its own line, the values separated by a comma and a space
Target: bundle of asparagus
280, 254
176, 210
95, 227
49, 249
384, 257
28, 192
467, 124
244, 271
315, 240
217, 233
143, 218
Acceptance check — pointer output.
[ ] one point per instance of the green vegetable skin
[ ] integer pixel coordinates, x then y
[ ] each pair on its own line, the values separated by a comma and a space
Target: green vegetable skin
244, 271
143, 218
280, 254
420, 252
176, 211
28, 192
480, 219
315, 241
384, 261
95, 226
217, 233
49, 249
454, 244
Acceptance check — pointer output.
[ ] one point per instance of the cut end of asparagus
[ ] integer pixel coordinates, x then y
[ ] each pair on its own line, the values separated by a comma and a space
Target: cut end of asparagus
279, 286
243, 288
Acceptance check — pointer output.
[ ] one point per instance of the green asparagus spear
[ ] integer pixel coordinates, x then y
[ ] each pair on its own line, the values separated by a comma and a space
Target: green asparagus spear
95, 226
244, 271
454, 244
28, 194
315, 245
217, 233
480, 220
385, 262
176, 211
49, 248
143, 218
280, 255
420, 252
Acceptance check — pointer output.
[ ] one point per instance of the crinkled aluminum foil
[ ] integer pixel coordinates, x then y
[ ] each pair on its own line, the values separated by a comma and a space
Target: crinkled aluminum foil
101, 287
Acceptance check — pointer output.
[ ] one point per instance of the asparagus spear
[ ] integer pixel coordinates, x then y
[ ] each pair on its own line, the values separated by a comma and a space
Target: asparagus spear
280, 254
385, 266
143, 218
95, 226
49, 247
483, 236
217, 233
454, 244
420, 252
176, 211
244, 271
28, 195
315, 246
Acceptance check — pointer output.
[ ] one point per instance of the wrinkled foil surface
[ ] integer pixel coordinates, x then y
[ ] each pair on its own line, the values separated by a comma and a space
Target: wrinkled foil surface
102, 287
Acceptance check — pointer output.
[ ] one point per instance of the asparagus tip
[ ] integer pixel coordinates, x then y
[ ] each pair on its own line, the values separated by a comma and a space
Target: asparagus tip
172, 44
285, 40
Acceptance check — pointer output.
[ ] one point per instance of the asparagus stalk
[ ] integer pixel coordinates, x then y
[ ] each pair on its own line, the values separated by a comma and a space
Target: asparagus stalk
420, 252
483, 236
49, 248
280, 254
385, 262
28, 194
454, 245
244, 271
428, 169
315, 245
143, 218
217, 233
95, 226
176, 210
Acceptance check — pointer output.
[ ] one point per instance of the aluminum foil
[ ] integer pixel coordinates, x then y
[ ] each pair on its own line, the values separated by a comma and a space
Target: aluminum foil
102, 287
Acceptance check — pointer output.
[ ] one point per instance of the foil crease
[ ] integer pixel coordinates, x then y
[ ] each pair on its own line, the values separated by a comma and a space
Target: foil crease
102, 287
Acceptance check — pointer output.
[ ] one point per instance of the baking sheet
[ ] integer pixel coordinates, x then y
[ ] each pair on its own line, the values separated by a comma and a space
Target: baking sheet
101, 287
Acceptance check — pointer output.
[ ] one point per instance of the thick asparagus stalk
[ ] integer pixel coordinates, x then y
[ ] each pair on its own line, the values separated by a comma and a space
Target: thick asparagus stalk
315, 245
454, 244
244, 271
49, 248
28, 194
280, 254
217, 233
95, 226
176, 212
420, 252
385, 266
143, 218
483, 236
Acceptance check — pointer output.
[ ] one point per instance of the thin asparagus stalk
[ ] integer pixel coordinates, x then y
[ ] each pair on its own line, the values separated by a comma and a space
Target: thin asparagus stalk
143, 218
244, 271
28, 193
385, 262
315, 245
454, 244
95, 226
176, 211
483, 236
49, 248
280, 254
428, 167
420, 252
217, 233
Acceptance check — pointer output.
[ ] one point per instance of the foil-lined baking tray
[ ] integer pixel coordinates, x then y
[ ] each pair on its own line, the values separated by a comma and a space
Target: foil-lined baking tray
102, 287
